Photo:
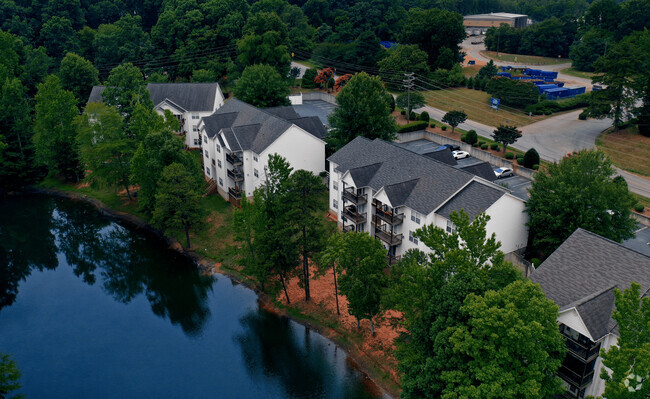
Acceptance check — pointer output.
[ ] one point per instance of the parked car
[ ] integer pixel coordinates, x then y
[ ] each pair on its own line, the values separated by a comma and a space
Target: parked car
452, 147
503, 172
460, 154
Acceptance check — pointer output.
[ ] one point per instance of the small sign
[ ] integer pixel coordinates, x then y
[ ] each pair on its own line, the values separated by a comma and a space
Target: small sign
494, 103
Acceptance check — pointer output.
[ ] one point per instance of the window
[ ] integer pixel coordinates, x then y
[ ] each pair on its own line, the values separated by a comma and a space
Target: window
335, 204
219, 162
195, 128
221, 182
415, 217
255, 158
195, 116
218, 148
335, 185
207, 171
255, 173
450, 226
197, 141
205, 139
414, 240
207, 154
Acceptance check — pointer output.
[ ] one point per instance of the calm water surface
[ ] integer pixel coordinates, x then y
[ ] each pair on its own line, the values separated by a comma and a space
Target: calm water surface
91, 309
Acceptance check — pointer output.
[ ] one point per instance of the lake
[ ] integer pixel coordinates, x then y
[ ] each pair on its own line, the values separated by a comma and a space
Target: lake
93, 309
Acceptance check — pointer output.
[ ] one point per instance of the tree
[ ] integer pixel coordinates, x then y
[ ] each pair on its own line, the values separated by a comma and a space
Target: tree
323, 76
341, 81
429, 289
511, 345
579, 191
262, 86
410, 101
78, 76
471, 137
55, 134
402, 59
515, 93
487, 71
308, 202
58, 36
125, 89
9, 376
178, 204
531, 158
506, 135
105, 148
360, 259
122, 41
362, 111
265, 41
586, 50
454, 118
629, 361
308, 79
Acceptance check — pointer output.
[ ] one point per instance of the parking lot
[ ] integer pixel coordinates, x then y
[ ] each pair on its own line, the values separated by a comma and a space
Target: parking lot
321, 109
517, 184
641, 240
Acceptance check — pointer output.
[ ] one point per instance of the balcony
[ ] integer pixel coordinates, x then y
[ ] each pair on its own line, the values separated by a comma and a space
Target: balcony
389, 238
574, 378
235, 193
213, 163
350, 212
234, 159
389, 217
349, 195
236, 175
392, 259
350, 228
584, 353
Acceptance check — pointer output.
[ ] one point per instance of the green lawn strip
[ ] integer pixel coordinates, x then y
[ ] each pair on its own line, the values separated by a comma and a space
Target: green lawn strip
578, 74
524, 59
642, 200
308, 63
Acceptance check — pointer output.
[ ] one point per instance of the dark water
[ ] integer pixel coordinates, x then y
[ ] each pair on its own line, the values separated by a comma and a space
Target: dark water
91, 309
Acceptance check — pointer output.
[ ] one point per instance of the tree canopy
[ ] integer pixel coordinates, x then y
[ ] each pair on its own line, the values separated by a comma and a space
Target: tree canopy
454, 118
262, 86
579, 191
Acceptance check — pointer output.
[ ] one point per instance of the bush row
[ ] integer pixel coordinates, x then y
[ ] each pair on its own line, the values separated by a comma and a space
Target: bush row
413, 126
548, 107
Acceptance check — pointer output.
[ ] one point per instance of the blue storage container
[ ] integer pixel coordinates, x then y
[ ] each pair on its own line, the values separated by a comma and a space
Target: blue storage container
557, 93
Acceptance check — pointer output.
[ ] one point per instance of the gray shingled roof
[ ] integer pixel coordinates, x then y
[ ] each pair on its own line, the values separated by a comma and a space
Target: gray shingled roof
475, 199
284, 112
363, 175
436, 181
398, 193
482, 169
197, 97
311, 124
582, 271
247, 127
444, 156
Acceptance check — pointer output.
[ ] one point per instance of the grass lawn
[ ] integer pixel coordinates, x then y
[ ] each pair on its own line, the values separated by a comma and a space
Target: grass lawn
627, 149
524, 59
578, 74
471, 71
476, 104
307, 63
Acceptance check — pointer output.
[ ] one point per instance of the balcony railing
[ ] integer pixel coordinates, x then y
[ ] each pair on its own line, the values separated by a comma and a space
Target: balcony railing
392, 259
347, 229
388, 237
235, 193
574, 378
357, 199
234, 160
579, 350
391, 218
235, 175
350, 212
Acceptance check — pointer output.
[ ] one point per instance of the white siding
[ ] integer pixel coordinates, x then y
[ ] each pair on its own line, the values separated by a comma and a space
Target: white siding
301, 149
597, 386
508, 221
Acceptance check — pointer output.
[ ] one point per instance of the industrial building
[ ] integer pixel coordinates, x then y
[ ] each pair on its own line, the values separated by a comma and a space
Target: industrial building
478, 24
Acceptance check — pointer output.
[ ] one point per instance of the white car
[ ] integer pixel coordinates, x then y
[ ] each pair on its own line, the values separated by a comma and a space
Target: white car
460, 154
503, 172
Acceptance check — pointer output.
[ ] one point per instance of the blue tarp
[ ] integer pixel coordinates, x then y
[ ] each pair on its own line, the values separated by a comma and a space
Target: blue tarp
387, 44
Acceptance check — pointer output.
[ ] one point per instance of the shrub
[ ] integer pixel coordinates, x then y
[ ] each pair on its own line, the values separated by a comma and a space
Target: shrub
484, 146
308, 78
471, 137
510, 155
481, 142
536, 262
391, 101
583, 116
531, 157
411, 127
494, 146
536, 167
433, 124
413, 116
402, 112
520, 159
444, 127
323, 174
639, 207
475, 145
424, 116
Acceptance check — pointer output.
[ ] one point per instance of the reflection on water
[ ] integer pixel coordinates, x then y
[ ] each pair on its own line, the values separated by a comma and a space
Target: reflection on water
91, 309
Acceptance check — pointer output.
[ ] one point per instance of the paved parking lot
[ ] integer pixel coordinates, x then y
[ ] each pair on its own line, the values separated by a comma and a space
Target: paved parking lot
641, 241
321, 109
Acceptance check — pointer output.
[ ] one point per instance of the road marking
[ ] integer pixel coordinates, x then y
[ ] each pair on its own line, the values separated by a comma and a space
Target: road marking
641, 229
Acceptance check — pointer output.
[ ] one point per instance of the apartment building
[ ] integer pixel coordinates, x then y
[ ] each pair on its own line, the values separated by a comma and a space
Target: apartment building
239, 138
390, 192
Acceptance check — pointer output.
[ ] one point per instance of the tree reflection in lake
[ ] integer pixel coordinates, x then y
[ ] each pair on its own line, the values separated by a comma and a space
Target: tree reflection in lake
97, 248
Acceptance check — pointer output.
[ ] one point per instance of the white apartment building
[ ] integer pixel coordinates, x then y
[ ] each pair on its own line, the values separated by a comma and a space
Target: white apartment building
239, 138
390, 192
580, 277
189, 102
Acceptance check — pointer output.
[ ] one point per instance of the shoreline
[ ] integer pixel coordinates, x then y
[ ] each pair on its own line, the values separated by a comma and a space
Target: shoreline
358, 359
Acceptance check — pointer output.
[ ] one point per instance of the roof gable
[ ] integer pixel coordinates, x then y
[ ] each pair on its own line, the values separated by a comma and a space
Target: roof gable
475, 198
190, 97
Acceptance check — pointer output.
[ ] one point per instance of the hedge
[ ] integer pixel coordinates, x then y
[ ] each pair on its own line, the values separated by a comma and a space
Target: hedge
639, 207
494, 146
510, 155
444, 127
433, 124
547, 107
484, 146
413, 126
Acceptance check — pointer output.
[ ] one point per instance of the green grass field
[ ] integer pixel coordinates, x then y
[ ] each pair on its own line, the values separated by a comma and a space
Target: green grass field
524, 59
578, 74
476, 104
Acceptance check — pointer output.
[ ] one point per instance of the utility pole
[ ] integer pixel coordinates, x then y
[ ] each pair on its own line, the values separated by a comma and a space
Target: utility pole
408, 84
